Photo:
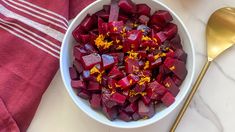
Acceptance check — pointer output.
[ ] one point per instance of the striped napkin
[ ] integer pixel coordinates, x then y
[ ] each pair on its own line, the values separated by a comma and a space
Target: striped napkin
31, 32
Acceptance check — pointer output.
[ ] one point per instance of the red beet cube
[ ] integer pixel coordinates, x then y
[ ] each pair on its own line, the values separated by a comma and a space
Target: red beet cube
100, 25
179, 54
91, 60
133, 78
136, 116
84, 94
78, 52
77, 33
131, 65
156, 63
115, 26
134, 98
120, 56
161, 18
145, 110
90, 49
122, 17
155, 90
114, 11
95, 101
170, 85
107, 61
110, 113
78, 84
177, 67
112, 83
78, 66
127, 5
170, 30
168, 99
176, 80
139, 88
88, 22
124, 116
93, 86
175, 42
73, 73
85, 38
144, 19
161, 37
119, 98
146, 100
143, 9
115, 73
106, 101
124, 83
131, 108
134, 39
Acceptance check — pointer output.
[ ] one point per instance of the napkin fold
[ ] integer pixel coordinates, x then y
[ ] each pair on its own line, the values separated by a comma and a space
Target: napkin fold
31, 33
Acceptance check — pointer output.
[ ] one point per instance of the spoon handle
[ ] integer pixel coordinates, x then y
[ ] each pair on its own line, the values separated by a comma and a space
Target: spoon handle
190, 96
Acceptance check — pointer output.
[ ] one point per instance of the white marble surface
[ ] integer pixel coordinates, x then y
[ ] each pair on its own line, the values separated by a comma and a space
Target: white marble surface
212, 109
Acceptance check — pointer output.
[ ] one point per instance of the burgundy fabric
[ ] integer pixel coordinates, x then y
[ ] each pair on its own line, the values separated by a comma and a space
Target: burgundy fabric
26, 71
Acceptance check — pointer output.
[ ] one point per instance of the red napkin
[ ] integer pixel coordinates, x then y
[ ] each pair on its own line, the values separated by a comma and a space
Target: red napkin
31, 33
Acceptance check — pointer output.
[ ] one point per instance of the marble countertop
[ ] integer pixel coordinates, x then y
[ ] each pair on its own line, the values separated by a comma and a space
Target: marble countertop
212, 109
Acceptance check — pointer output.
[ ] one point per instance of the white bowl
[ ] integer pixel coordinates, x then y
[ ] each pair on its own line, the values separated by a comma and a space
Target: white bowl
66, 61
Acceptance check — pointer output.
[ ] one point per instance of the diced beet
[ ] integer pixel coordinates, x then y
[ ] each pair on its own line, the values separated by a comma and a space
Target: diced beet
88, 22
145, 29
115, 73
146, 99
134, 98
95, 101
115, 26
134, 39
106, 101
124, 83
78, 66
133, 78
147, 73
111, 83
156, 28
168, 99
84, 94
181, 55
104, 80
106, 8
93, 86
110, 113
150, 57
145, 111
144, 19
131, 108
177, 67
89, 61
78, 84
126, 46
175, 43
170, 85
131, 65
87, 76
176, 80
136, 116
119, 98
102, 14
90, 49
100, 25
77, 33
160, 36
124, 116
143, 9
170, 30
120, 56
127, 5
156, 63
155, 90
164, 70
161, 18
122, 17
85, 38
107, 61
114, 11
78, 52
139, 88
73, 73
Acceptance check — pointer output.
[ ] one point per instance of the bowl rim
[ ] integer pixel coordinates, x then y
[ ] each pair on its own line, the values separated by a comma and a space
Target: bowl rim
172, 107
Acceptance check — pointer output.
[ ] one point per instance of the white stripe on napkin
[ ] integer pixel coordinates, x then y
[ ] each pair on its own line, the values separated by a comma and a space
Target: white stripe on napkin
28, 40
29, 13
43, 28
39, 12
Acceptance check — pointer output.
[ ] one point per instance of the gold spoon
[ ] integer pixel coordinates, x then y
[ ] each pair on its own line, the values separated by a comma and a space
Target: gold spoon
220, 34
